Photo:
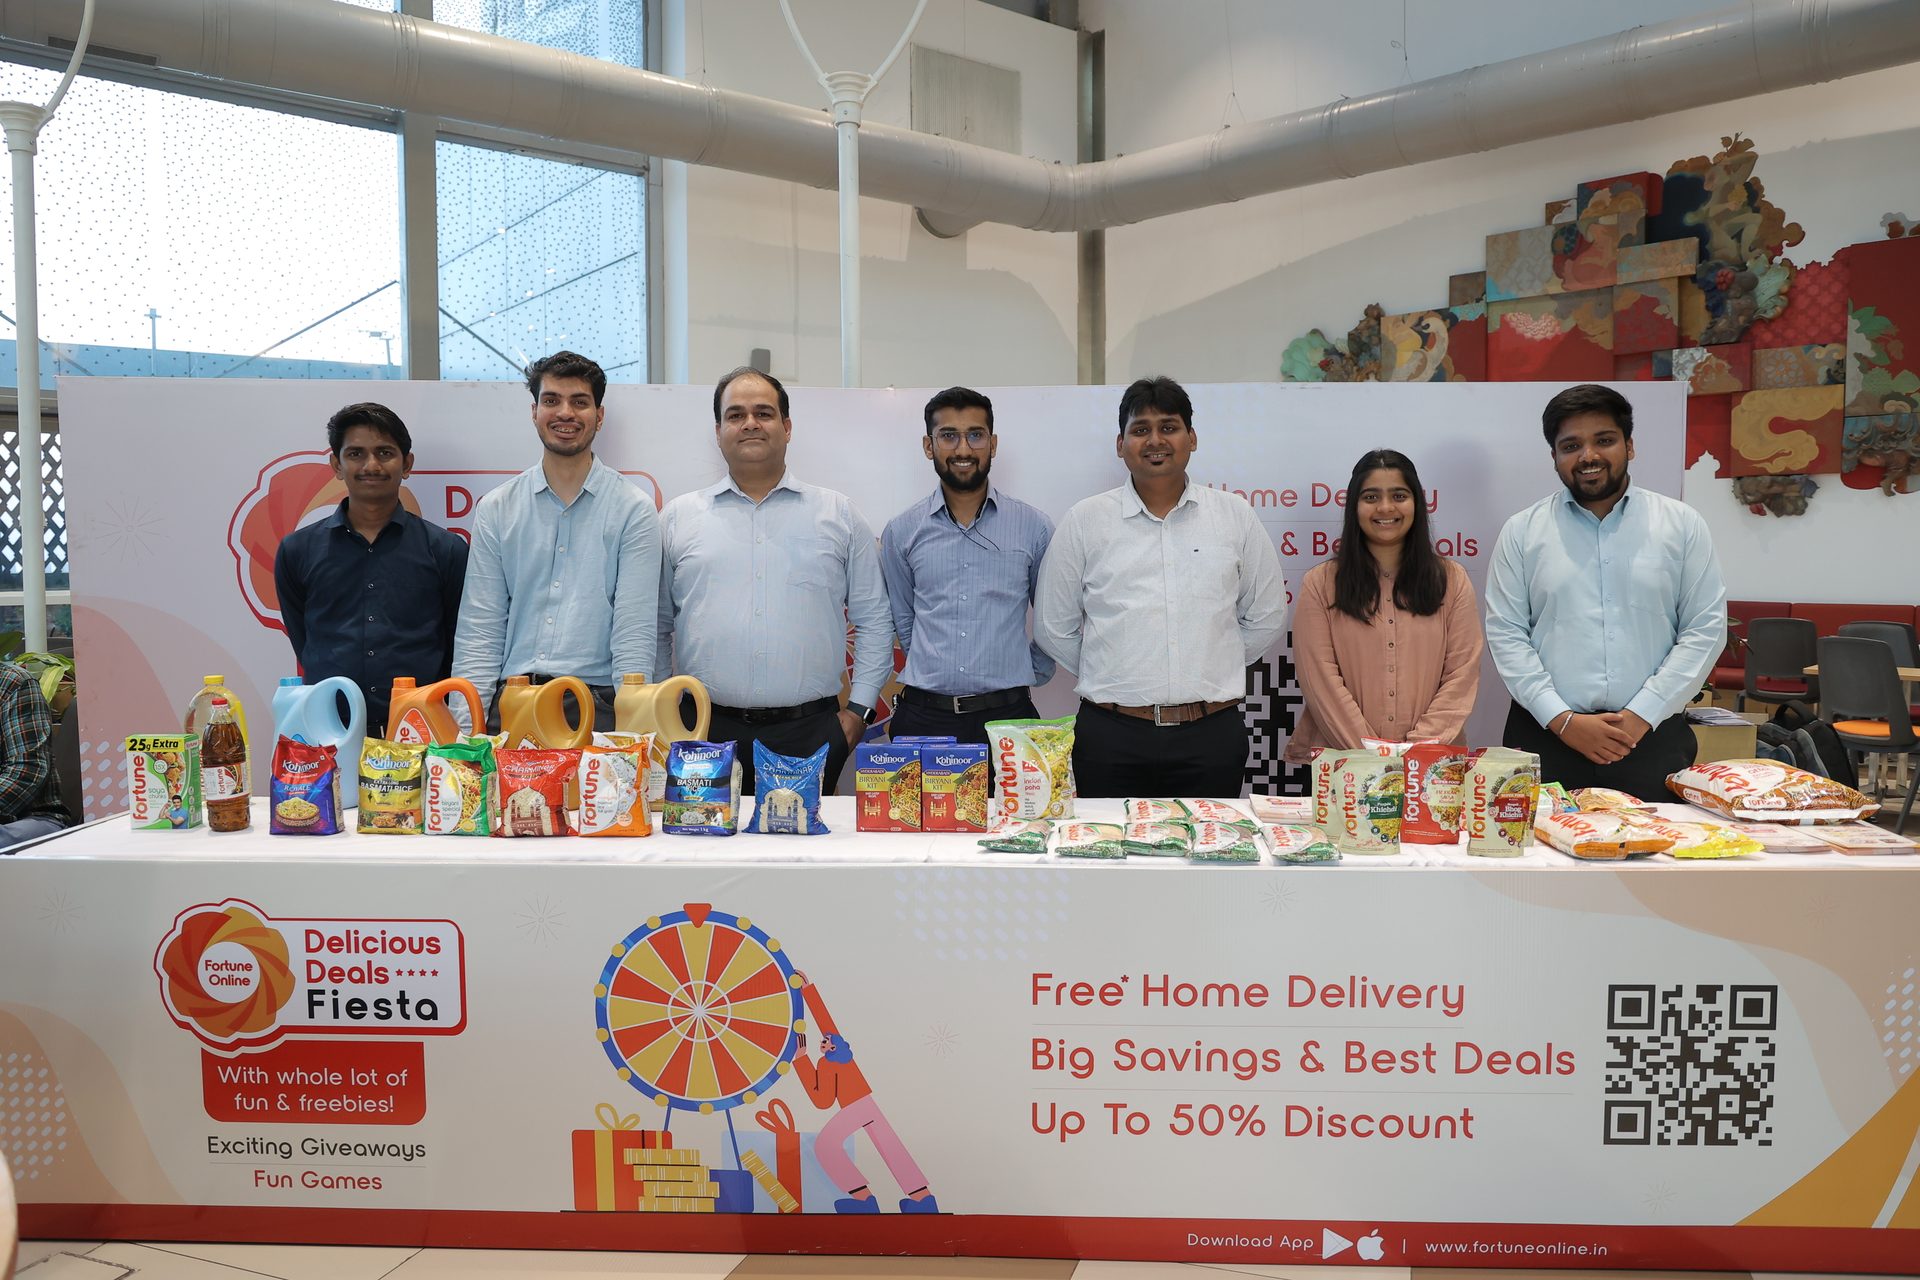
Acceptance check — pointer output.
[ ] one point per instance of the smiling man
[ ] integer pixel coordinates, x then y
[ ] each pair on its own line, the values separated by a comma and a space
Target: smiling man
372, 591
566, 556
961, 568
760, 575
1158, 595
1605, 610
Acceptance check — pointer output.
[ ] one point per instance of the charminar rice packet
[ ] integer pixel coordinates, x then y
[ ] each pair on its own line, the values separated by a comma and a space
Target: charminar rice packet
1033, 765
1502, 788
1089, 840
1368, 791
1762, 791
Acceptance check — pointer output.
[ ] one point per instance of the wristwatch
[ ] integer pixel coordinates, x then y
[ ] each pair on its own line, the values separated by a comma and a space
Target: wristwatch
863, 711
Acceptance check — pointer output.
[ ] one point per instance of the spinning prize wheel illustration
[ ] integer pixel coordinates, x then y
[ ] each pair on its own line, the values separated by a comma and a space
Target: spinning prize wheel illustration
697, 1009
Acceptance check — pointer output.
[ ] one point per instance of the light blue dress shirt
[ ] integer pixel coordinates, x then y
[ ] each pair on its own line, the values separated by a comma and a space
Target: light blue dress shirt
1626, 613
559, 590
755, 597
960, 595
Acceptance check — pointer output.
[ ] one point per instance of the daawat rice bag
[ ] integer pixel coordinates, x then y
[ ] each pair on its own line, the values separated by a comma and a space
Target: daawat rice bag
1368, 793
1502, 787
1033, 764
1325, 762
1762, 791
392, 782
1599, 836
462, 795
613, 789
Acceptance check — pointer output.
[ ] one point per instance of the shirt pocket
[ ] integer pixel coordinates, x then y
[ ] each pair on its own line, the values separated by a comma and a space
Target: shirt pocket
1212, 573
1651, 588
815, 564
1001, 581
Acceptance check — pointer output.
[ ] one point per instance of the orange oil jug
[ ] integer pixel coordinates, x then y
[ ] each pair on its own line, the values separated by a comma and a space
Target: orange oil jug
639, 707
420, 714
535, 715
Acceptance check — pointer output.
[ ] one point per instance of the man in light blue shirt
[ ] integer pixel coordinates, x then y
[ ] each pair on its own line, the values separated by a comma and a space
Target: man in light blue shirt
961, 568
1605, 610
565, 563
760, 575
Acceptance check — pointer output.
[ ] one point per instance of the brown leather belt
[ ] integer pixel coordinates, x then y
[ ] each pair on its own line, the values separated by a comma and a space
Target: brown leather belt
1165, 715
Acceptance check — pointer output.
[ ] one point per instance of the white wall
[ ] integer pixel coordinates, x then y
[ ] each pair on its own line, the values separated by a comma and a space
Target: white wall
761, 258
1216, 295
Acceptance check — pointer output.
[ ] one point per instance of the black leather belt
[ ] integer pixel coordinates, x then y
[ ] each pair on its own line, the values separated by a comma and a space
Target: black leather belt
777, 715
964, 704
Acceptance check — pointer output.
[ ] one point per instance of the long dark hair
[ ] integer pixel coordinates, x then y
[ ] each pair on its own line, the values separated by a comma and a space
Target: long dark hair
1420, 584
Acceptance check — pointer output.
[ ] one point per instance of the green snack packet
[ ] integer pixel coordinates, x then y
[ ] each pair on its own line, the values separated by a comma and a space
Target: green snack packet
1018, 837
1298, 846
1225, 842
462, 789
1090, 840
1157, 839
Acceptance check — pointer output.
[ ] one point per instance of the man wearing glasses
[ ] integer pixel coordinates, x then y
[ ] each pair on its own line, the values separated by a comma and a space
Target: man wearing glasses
961, 567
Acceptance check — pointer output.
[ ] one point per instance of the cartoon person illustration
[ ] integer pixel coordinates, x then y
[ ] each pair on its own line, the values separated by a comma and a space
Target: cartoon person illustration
837, 1080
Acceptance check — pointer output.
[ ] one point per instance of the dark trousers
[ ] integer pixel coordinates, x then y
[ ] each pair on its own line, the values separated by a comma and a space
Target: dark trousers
1117, 756
910, 721
800, 737
602, 709
1668, 748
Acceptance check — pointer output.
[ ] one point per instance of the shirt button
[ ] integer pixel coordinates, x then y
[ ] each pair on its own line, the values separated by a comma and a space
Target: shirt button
369, 617
369, 586
563, 551
963, 635
963, 597
1389, 644
369, 653
556, 584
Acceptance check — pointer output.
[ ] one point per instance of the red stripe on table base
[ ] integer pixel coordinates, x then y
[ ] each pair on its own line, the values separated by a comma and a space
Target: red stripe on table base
1417, 1244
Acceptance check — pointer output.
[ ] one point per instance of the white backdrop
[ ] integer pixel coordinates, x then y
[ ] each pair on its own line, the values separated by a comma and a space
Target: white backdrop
179, 491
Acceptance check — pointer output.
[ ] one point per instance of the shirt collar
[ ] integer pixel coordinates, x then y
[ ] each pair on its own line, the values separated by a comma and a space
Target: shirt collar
937, 504
338, 520
1130, 500
592, 484
1572, 503
726, 485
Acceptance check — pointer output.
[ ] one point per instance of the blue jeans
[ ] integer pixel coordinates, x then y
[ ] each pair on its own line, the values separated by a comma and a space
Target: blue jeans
21, 830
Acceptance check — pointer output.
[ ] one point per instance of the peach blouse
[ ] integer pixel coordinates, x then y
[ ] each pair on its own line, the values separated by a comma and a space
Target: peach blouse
1400, 676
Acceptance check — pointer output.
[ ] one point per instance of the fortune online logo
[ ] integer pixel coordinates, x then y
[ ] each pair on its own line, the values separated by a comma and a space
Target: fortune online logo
225, 976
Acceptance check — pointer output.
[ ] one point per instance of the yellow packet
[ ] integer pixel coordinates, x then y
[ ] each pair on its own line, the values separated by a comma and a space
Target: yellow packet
392, 776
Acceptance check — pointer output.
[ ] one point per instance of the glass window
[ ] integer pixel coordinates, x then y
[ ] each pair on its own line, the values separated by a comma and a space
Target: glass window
183, 237
536, 255
610, 29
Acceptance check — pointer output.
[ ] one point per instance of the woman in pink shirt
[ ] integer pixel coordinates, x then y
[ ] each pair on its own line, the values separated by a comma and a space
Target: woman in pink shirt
1386, 636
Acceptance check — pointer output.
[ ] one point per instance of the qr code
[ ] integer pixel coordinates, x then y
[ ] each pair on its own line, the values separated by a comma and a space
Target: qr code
1691, 1066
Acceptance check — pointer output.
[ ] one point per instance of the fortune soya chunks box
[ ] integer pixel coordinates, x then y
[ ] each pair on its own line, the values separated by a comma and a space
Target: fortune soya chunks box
163, 781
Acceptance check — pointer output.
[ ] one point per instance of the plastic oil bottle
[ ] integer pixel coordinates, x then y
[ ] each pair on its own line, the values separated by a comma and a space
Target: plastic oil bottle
223, 769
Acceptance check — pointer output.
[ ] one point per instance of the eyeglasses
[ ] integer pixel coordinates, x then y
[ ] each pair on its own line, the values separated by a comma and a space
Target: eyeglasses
948, 438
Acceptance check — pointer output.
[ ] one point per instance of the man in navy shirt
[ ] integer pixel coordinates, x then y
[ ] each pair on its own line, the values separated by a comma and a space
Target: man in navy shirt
961, 567
372, 591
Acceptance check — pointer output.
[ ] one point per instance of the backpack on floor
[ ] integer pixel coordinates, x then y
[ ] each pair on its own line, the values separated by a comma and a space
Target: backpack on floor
1815, 746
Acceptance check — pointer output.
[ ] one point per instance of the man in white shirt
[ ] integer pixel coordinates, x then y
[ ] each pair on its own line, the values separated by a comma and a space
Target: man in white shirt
1159, 594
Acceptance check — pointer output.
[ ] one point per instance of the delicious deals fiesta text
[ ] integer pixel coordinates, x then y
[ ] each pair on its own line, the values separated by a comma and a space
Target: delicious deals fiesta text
1156, 1053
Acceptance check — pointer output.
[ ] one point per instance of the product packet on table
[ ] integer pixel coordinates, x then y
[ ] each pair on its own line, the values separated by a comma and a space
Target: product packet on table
786, 793
1554, 798
703, 789
1598, 836
1018, 837
1286, 810
1089, 840
1224, 842
886, 787
1763, 791
953, 786
1326, 761
1503, 786
1298, 845
303, 793
1694, 839
1590, 799
1033, 762
392, 787
613, 789
163, 781
533, 791
462, 789
654, 784
1369, 792
1213, 811
1154, 810
1158, 839
1436, 773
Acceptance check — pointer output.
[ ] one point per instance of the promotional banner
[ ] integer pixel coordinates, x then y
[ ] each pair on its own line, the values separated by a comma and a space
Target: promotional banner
179, 492
1703, 1067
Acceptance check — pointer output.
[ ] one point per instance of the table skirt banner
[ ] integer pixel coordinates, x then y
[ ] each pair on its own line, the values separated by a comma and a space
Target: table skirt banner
1709, 1067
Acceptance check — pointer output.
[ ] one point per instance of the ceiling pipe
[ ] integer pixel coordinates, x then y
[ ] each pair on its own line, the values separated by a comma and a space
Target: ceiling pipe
396, 62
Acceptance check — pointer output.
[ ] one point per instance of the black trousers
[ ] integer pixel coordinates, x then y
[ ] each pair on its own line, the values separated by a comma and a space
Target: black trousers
1117, 756
909, 721
1668, 748
800, 737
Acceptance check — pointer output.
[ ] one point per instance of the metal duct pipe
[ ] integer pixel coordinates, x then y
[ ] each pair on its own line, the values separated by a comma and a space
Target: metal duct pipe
390, 60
